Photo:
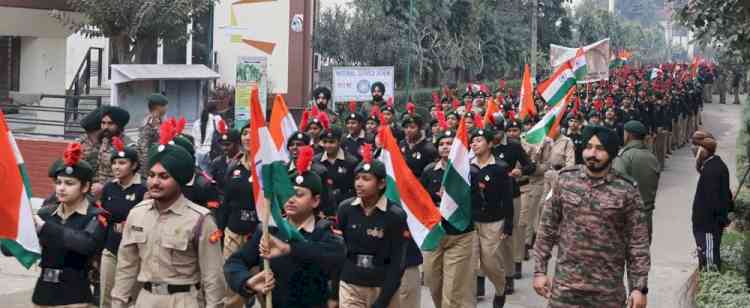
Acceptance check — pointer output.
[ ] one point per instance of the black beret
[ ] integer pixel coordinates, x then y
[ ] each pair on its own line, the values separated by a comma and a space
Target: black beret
387, 109
379, 85
606, 136
374, 167
298, 136
309, 180
81, 170
374, 118
356, 116
157, 99
512, 124
446, 134
635, 127
322, 90
331, 133
92, 121
409, 119
488, 134
120, 116
178, 162
594, 113
128, 153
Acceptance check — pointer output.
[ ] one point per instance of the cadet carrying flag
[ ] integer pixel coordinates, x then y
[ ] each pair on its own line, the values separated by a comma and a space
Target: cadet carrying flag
281, 126
17, 230
403, 188
270, 177
455, 205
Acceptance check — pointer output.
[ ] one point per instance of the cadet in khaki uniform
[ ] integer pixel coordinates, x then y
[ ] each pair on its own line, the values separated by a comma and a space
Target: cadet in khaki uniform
531, 194
166, 242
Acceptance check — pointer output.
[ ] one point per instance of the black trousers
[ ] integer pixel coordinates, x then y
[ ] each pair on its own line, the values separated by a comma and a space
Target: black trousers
709, 246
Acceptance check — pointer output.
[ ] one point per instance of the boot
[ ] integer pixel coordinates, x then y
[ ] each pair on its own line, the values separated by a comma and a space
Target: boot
518, 270
509, 289
480, 286
498, 302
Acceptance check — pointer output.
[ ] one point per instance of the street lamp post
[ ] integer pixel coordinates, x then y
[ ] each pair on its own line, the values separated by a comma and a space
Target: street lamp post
408, 59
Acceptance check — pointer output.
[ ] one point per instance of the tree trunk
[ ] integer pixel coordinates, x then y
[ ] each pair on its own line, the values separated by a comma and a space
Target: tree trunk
146, 50
119, 49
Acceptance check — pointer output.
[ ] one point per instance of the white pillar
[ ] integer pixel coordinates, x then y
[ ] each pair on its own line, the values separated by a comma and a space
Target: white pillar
160, 53
611, 6
189, 45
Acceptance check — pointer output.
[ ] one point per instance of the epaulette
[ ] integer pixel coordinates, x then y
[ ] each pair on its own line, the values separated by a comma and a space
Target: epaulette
429, 166
47, 209
624, 177
197, 208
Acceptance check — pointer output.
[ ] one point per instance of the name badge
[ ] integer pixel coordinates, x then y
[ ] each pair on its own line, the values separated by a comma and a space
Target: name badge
417, 155
366, 261
376, 232
130, 197
342, 170
246, 215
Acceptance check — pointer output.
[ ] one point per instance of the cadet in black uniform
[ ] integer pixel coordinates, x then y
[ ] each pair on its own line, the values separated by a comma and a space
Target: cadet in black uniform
375, 235
71, 233
117, 198
418, 151
339, 165
356, 136
201, 190
373, 121
300, 268
230, 147
513, 154
388, 115
492, 210
575, 125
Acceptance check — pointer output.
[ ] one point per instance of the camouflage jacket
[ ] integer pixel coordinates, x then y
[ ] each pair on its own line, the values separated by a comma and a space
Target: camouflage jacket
90, 150
147, 136
599, 226
103, 169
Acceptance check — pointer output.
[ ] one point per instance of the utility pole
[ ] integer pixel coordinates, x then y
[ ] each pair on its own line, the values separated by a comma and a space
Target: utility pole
612, 7
408, 63
534, 29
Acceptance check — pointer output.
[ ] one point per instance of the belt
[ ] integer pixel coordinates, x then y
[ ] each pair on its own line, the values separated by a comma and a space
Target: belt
55, 275
168, 289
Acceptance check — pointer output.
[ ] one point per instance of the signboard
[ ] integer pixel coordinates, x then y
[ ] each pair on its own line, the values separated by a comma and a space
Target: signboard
353, 82
251, 72
597, 59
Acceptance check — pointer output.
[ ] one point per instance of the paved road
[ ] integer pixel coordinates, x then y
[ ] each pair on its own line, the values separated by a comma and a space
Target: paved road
672, 251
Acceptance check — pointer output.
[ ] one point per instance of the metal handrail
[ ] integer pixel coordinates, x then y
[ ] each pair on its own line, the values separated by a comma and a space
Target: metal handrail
70, 124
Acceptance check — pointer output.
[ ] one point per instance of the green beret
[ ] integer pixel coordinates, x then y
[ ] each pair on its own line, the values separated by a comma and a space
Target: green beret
331, 133
232, 136
446, 134
375, 167
594, 113
606, 136
157, 99
356, 116
92, 121
488, 134
128, 152
118, 115
309, 180
409, 119
185, 144
178, 162
635, 127
81, 170
298, 136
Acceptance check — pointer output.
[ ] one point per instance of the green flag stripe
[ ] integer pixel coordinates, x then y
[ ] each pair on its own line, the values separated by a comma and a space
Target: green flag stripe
432, 241
460, 192
25, 257
560, 94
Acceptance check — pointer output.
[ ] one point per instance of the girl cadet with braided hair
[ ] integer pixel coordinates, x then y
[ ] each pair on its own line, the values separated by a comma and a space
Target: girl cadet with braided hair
71, 232
300, 267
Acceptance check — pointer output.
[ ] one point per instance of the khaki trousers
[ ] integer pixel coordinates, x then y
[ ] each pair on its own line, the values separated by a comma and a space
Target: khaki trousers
354, 296
532, 202
108, 268
487, 247
232, 243
448, 271
409, 293
518, 239
190, 299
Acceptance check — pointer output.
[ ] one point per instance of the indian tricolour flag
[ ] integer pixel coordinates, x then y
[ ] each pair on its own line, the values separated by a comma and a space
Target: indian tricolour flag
282, 125
555, 88
550, 123
580, 66
270, 179
17, 231
403, 188
455, 204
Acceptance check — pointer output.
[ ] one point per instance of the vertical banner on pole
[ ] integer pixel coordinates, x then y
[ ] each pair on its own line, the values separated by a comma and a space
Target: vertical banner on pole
251, 71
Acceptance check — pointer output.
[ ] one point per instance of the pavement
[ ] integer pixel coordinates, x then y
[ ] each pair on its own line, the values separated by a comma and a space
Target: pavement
672, 252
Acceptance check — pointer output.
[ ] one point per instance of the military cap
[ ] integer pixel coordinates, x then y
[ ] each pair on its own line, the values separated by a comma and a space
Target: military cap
92, 121
122, 151
72, 165
303, 175
355, 116
231, 135
388, 109
373, 118
331, 133
635, 127
411, 118
446, 134
185, 143
607, 137
488, 134
175, 159
322, 90
378, 84
593, 114
498, 121
120, 116
298, 136
157, 99
512, 124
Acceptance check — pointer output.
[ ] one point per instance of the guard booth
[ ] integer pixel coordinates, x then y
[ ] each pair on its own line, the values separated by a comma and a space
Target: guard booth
183, 84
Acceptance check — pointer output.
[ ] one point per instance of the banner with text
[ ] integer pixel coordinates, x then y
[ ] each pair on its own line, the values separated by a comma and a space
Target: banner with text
597, 59
251, 71
353, 82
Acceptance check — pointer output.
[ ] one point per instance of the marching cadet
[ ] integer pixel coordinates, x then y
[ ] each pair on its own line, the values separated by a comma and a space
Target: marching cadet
91, 139
339, 165
375, 235
569, 148
230, 148
636, 161
167, 245
201, 189
300, 267
388, 115
373, 122
314, 127
449, 269
236, 218
327, 208
71, 232
512, 153
594, 118
148, 134
531, 194
356, 136
113, 122
492, 210
418, 151
117, 198
609, 208
611, 122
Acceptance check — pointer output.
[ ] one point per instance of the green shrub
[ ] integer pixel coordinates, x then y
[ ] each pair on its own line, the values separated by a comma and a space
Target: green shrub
722, 290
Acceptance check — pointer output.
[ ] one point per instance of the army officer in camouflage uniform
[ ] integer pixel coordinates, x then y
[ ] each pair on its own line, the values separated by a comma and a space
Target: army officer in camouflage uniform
596, 218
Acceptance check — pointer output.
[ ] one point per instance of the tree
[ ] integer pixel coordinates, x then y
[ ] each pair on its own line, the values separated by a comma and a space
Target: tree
134, 27
718, 22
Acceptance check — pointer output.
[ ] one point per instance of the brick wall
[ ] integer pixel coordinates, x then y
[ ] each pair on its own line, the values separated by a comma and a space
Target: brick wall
38, 155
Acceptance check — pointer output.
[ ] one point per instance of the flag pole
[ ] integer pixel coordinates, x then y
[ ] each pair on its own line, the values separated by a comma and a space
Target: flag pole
266, 262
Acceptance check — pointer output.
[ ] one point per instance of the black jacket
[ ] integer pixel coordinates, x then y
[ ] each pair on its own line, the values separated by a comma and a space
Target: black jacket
492, 194
118, 202
712, 196
237, 211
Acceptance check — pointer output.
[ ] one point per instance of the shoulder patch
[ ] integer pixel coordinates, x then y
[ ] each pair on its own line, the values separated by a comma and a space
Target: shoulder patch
197, 208
625, 178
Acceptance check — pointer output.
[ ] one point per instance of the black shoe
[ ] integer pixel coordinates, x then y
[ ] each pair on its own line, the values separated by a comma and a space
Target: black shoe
509, 289
480, 286
498, 302
518, 270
